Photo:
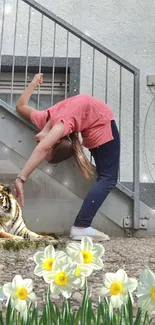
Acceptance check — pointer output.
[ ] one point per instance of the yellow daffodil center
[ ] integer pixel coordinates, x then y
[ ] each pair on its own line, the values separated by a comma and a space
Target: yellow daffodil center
153, 293
77, 271
87, 257
61, 278
22, 293
48, 264
116, 288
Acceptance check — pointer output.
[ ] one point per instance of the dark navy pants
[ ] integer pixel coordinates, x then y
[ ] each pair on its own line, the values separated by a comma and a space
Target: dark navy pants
106, 158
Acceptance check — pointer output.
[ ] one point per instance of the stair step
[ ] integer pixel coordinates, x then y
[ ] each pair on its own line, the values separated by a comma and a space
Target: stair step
8, 170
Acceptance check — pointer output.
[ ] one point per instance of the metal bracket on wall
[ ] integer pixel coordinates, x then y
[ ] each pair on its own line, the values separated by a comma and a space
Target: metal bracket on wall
143, 222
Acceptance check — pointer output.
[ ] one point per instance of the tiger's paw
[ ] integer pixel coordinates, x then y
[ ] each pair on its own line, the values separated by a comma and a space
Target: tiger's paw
17, 238
40, 237
48, 239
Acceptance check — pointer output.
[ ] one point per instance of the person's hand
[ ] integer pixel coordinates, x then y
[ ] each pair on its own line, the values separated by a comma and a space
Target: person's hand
19, 191
37, 80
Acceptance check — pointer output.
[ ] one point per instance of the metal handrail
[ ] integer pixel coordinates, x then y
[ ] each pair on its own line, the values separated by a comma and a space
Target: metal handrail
73, 30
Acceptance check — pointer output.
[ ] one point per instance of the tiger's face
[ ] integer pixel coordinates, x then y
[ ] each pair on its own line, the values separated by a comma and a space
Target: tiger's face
5, 200
12, 224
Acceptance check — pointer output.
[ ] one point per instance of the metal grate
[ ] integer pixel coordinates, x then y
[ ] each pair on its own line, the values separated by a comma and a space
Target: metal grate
58, 84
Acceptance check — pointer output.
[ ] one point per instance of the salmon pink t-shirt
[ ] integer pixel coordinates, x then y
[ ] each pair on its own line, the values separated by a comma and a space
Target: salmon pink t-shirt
82, 113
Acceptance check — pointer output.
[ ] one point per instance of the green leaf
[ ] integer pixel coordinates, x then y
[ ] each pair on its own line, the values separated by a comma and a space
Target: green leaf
138, 317
1, 318
98, 316
84, 305
8, 313
130, 309
147, 320
78, 316
51, 311
34, 316
43, 320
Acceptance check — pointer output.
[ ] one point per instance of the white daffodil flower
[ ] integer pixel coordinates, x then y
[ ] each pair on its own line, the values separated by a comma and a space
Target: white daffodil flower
45, 259
82, 271
86, 254
62, 278
118, 285
146, 291
20, 291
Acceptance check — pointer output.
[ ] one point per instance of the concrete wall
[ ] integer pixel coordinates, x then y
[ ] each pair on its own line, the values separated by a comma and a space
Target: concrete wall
126, 28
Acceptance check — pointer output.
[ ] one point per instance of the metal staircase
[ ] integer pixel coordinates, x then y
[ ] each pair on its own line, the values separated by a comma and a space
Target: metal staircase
74, 63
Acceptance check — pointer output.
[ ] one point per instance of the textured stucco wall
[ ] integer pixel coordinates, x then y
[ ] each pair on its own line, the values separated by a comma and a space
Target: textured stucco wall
125, 27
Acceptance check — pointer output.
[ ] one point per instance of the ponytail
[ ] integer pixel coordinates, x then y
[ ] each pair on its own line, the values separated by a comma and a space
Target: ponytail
67, 148
61, 151
86, 167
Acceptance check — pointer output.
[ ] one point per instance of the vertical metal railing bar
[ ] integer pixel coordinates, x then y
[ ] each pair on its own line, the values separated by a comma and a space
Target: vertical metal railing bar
93, 74
40, 56
80, 56
136, 151
80, 63
53, 69
2, 31
27, 45
14, 47
66, 77
106, 81
93, 71
120, 111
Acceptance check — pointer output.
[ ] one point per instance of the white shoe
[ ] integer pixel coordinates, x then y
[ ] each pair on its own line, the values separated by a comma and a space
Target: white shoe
95, 235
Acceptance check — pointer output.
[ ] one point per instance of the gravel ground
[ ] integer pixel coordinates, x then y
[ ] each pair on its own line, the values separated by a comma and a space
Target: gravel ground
131, 254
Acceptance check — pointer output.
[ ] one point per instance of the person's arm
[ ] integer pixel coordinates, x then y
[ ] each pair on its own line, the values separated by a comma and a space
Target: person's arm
41, 135
37, 157
22, 104
47, 127
42, 149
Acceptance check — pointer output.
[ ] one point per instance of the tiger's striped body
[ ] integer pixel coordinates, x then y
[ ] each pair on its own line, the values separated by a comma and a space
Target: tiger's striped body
12, 225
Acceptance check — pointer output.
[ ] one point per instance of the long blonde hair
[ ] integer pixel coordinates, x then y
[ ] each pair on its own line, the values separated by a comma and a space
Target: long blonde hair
71, 146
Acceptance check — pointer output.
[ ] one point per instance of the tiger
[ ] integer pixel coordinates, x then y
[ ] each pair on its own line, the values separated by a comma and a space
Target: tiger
12, 224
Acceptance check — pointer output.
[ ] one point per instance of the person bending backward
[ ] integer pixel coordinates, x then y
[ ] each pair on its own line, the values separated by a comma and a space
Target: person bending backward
58, 140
